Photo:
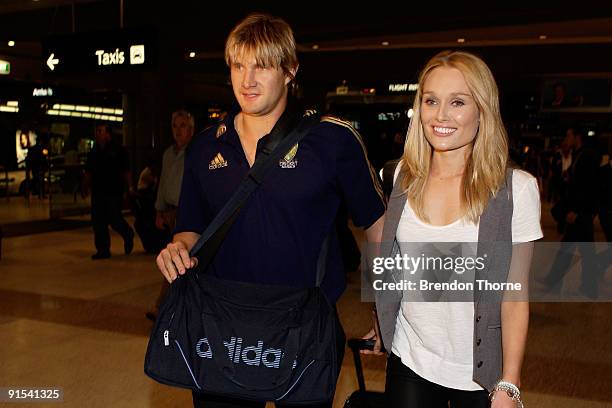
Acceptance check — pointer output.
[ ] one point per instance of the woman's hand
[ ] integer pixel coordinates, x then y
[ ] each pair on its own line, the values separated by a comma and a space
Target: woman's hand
502, 400
374, 334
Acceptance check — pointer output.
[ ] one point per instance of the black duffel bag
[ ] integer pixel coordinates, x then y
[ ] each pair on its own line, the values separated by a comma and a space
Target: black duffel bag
258, 342
244, 340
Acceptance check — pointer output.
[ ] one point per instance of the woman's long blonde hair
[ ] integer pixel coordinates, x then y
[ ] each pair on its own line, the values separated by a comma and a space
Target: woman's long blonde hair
485, 170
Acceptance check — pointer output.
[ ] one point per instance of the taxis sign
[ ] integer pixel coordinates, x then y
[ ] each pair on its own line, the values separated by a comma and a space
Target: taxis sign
122, 50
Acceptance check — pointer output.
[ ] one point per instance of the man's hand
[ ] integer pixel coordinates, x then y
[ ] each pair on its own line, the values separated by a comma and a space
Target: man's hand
174, 260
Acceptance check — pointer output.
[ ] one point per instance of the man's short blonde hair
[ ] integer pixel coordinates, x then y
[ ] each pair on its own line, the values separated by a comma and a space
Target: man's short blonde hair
269, 39
183, 114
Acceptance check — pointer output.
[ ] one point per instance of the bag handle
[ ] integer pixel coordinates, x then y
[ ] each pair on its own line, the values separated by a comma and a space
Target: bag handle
227, 367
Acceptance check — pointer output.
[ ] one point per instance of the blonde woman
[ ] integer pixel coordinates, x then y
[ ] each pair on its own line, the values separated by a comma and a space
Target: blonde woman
453, 185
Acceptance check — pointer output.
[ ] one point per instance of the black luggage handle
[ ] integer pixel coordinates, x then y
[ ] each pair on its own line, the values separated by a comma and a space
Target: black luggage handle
356, 345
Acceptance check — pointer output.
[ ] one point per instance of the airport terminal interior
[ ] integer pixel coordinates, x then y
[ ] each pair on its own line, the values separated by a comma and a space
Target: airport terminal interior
79, 324
70, 322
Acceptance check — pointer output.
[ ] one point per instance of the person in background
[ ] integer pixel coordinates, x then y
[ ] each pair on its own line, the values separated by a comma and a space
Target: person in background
562, 162
169, 189
143, 207
38, 165
580, 208
171, 178
108, 175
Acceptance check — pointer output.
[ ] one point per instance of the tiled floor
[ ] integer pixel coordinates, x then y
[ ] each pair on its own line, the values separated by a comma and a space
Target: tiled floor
18, 209
70, 322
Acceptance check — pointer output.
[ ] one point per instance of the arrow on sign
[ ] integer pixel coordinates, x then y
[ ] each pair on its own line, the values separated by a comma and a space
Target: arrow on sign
52, 62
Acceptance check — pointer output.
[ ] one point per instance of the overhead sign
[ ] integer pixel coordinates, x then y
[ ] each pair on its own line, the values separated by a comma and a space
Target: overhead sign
342, 90
117, 57
42, 92
5, 67
52, 61
122, 50
403, 87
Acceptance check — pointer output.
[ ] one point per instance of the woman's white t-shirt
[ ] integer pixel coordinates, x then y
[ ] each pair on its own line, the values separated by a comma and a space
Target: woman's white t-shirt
435, 339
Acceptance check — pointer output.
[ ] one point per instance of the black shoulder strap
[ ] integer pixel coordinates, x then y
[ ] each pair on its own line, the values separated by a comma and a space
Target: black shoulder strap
388, 176
322, 260
278, 143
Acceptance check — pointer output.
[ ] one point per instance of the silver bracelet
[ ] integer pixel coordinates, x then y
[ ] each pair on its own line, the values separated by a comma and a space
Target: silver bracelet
510, 389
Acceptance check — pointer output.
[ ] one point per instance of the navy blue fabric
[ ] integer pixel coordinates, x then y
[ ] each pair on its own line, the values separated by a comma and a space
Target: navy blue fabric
278, 234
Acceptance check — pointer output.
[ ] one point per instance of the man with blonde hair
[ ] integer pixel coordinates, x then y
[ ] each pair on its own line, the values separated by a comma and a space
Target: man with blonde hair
278, 234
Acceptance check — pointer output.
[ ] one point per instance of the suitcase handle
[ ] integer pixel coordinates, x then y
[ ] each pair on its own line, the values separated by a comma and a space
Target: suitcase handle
361, 344
356, 345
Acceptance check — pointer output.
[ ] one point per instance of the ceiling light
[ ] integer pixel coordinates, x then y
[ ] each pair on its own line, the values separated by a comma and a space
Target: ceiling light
191, 54
460, 40
315, 47
385, 43
11, 43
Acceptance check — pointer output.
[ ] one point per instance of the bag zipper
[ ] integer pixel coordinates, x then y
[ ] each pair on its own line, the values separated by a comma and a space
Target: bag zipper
167, 332
255, 307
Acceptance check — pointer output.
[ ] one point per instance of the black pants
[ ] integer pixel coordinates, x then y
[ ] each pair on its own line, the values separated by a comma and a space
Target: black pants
143, 207
405, 388
211, 401
105, 211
